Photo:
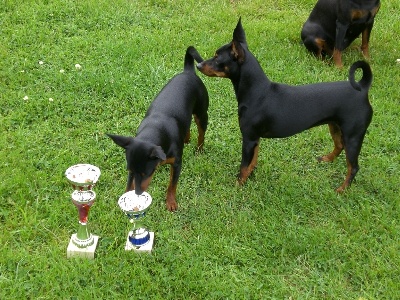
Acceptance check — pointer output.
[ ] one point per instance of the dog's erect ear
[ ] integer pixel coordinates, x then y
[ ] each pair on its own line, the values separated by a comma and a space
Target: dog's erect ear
238, 34
158, 152
123, 141
238, 37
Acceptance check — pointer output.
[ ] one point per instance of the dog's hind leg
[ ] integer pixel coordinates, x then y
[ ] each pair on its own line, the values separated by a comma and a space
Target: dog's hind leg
352, 148
201, 122
336, 134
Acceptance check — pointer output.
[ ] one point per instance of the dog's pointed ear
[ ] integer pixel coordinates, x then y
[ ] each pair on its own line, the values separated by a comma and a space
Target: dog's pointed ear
238, 34
123, 141
238, 38
158, 152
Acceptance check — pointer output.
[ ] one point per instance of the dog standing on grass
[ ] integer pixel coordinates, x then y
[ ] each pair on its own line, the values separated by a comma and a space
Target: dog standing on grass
273, 110
165, 128
334, 24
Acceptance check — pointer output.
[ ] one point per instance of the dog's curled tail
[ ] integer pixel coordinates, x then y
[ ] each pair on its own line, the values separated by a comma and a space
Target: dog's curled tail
191, 55
366, 80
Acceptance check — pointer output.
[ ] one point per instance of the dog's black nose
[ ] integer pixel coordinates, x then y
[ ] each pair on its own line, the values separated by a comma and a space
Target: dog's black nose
138, 190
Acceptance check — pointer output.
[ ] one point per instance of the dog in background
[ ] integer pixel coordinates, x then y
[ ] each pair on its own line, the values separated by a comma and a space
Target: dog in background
165, 128
334, 24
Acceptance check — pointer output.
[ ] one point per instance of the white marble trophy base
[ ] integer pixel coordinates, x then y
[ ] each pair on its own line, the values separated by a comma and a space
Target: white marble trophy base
145, 248
87, 252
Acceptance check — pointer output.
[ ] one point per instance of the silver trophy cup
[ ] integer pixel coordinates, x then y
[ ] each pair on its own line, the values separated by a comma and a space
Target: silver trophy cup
135, 207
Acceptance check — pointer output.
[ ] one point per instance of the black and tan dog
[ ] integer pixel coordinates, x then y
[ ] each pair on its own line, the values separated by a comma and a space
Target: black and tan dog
165, 128
272, 110
334, 24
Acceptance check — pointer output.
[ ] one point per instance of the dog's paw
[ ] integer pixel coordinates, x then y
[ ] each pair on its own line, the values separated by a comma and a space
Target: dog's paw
239, 181
199, 150
325, 158
172, 206
340, 190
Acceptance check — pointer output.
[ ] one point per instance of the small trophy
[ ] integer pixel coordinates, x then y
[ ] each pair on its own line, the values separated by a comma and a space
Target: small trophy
135, 207
83, 177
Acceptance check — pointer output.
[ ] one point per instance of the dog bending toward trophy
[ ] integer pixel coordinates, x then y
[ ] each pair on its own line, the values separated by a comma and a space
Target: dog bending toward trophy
165, 128
268, 109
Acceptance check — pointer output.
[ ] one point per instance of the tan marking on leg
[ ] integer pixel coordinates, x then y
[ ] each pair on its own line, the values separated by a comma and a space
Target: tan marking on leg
375, 10
321, 44
169, 160
336, 135
200, 137
347, 181
337, 58
364, 43
245, 172
171, 193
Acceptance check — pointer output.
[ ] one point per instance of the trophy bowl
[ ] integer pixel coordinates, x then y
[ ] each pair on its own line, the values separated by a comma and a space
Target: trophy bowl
135, 206
83, 176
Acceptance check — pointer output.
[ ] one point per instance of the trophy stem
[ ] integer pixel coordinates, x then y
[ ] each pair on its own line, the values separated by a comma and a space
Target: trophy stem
83, 237
83, 231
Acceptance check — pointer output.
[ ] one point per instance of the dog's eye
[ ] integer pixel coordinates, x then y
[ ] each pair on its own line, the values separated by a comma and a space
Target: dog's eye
218, 62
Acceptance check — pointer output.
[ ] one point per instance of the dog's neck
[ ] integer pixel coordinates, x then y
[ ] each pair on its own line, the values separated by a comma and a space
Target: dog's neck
250, 79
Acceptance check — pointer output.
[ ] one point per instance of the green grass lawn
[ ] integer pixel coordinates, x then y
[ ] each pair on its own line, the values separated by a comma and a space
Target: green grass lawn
285, 235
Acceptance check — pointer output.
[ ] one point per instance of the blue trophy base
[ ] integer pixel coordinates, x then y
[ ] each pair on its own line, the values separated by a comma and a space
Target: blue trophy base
145, 248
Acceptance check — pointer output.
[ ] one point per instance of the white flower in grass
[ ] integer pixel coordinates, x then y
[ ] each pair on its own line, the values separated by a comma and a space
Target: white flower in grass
398, 60
26, 98
51, 99
62, 71
78, 66
41, 62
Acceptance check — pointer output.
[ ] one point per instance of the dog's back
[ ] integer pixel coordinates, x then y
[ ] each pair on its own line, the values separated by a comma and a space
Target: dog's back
185, 94
321, 23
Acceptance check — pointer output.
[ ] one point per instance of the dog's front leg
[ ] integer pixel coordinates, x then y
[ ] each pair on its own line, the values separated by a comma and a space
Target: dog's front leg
367, 32
341, 29
249, 159
365, 40
171, 203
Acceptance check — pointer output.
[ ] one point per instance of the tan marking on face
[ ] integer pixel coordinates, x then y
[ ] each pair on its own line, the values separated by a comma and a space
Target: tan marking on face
145, 183
358, 14
206, 69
